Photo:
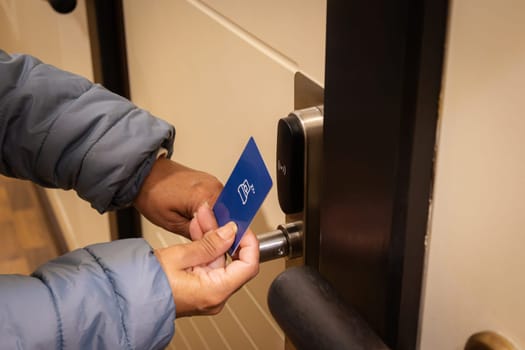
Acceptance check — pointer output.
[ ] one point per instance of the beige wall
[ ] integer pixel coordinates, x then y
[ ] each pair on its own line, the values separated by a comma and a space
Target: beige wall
476, 267
33, 27
222, 71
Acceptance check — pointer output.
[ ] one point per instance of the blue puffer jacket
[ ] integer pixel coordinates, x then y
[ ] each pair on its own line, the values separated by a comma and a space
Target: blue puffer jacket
59, 130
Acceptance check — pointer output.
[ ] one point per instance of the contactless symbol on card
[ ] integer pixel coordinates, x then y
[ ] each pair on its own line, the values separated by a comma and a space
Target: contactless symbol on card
244, 192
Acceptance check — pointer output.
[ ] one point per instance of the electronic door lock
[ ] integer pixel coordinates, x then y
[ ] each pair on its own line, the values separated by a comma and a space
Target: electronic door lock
298, 173
298, 135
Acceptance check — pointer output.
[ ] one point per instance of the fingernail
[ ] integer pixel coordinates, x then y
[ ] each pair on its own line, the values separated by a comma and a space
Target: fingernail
227, 231
204, 208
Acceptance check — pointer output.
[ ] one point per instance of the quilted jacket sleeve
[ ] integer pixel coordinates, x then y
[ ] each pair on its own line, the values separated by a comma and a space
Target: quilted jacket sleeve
107, 296
60, 130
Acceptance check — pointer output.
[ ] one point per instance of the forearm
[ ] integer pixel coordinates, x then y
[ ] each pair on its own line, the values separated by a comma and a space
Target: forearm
60, 130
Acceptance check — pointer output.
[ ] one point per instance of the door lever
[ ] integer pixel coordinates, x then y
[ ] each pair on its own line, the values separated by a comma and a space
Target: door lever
312, 315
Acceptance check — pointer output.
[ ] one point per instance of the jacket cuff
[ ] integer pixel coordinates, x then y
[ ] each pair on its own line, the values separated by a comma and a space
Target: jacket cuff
162, 152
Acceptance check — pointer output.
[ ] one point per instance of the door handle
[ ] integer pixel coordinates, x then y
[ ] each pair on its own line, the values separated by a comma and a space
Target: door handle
312, 316
488, 340
63, 6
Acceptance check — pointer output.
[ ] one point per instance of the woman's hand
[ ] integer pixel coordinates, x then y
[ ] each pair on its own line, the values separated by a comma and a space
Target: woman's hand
199, 277
172, 193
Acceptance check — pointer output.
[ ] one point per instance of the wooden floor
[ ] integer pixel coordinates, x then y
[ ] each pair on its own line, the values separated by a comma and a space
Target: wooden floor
26, 240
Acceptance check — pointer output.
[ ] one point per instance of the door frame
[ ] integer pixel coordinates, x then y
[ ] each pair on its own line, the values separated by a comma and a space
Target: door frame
107, 37
384, 63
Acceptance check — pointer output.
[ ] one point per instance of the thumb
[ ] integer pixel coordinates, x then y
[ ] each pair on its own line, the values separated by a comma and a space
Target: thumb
213, 245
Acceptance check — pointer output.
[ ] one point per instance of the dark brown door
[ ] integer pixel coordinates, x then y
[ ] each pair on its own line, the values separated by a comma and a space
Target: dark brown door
383, 78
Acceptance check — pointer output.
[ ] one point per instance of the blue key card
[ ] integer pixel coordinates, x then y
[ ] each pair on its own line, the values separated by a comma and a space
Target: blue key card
244, 192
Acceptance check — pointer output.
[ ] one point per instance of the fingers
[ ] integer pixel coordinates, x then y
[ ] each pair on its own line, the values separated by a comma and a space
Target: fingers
199, 289
195, 230
249, 247
171, 193
240, 271
203, 221
212, 246
217, 285
206, 218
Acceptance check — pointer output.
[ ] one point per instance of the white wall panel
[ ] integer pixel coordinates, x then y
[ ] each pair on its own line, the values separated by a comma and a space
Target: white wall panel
475, 274
220, 76
295, 28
